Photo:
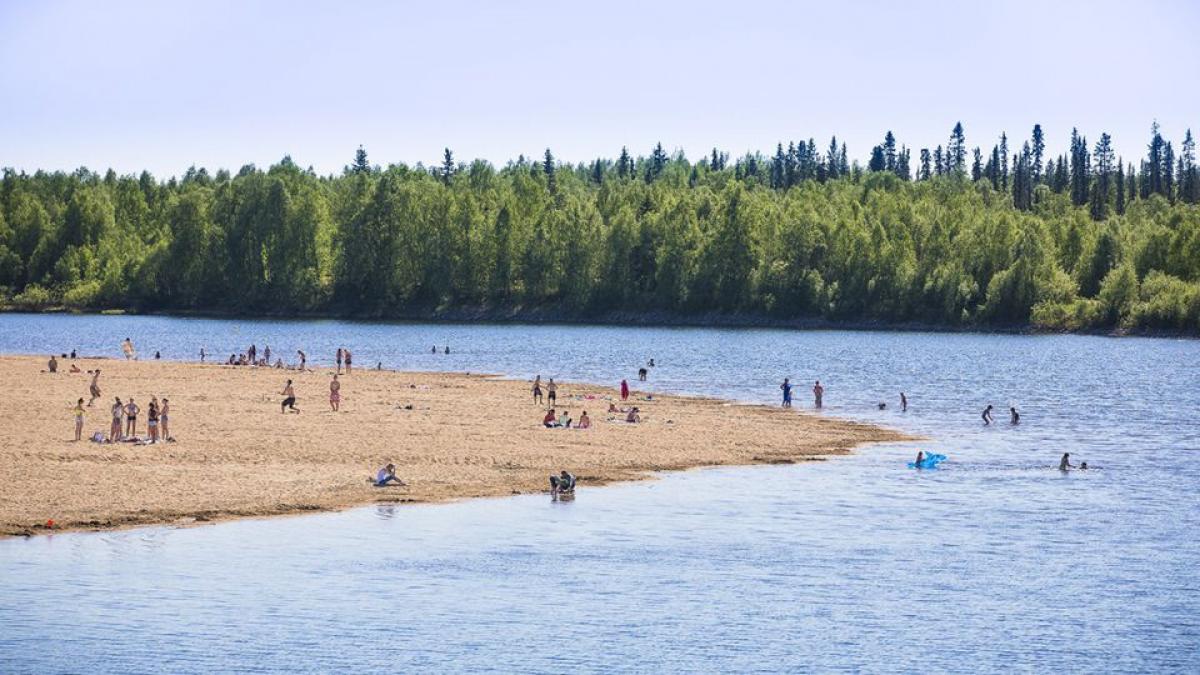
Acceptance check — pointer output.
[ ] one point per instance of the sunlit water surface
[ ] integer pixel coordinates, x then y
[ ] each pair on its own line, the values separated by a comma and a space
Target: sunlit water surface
993, 562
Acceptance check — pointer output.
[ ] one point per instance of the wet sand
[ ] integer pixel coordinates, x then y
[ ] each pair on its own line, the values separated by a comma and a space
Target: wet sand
236, 455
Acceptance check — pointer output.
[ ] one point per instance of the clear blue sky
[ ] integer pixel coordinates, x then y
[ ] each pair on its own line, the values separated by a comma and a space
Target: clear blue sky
164, 85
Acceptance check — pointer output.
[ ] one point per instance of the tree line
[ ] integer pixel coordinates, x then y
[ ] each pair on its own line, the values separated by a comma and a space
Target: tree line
960, 237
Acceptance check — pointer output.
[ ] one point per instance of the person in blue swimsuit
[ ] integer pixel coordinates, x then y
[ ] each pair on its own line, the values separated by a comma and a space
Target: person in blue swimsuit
786, 387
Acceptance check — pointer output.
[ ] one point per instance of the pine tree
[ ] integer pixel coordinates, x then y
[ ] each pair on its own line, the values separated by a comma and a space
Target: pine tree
1120, 185
877, 162
361, 165
1039, 148
994, 167
1004, 160
939, 161
598, 171
625, 163
902, 164
889, 151
658, 163
1152, 176
1103, 159
831, 160
1189, 174
1168, 172
956, 151
924, 172
977, 166
447, 166
778, 168
1079, 169
548, 169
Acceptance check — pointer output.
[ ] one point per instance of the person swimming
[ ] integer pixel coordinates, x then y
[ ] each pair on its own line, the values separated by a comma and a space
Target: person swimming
1065, 464
1015, 417
920, 459
987, 415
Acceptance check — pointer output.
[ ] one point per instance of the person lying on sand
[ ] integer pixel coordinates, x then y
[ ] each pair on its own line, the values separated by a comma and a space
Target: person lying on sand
562, 483
585, 422
75, 368
386, 476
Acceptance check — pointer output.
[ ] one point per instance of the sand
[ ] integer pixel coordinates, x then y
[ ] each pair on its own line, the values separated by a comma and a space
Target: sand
236, 455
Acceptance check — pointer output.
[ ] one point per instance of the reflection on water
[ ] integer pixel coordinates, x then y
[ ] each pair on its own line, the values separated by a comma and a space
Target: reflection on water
994, 561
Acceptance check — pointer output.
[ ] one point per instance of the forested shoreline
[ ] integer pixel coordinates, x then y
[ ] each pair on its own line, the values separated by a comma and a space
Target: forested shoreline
954, 237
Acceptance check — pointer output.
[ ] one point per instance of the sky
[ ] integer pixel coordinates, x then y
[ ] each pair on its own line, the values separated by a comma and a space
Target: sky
162, 86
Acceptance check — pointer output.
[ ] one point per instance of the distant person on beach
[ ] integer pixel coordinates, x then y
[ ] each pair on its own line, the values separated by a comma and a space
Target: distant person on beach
818, 392
131, 413
303, 359
252, 354
1065, 463
386, 476
585, 422
447, 349
349, 362
79, 419
564, 420
118, 411
52, 364
164, 429
157, 356
339, 361
641, 374
987, 415
537, 389
152, 420
202, 355
72, 354
335, 394
633, 417
127, 349
289, 398
903, 402
551, 392
75, 368
624, 390
1083, 466
267, 354
94, 387
651, 364
786, 388
1014, 416
563, 482
433, 349
550, 421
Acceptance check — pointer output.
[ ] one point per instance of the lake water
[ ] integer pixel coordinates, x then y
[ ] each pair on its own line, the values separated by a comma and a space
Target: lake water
995, 561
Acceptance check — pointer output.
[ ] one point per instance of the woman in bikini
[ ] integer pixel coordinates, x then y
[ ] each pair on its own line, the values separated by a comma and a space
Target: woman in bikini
79, 419
114, 433
163, 428
131, 413
152, 420
335, 394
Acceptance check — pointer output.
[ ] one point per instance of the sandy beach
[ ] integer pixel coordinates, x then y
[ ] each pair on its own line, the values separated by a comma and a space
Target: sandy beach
236, 455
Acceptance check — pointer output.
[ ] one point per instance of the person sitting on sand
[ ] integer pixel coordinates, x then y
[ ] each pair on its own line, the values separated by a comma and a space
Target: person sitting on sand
563, 483
131, 413
987, 415
118, 410
75, 368
1014, 416
94, 387
585, 422
1065, 464
612, 408
289, 398
52, 364
79, 419
564, 420
386, 476
279, 363
633, 417
335, 394
550, 421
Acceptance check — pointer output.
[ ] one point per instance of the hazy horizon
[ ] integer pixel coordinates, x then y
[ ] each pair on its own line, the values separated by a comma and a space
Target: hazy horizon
138, 86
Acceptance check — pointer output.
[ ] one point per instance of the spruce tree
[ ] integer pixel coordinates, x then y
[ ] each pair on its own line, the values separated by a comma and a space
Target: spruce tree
447, 166
877, 162
1189, 175
625, 163
548, 169
1004, 160
1120, 185
956, 151
924, 172
361, 165
977, 166
831, 160
1039, 148
889, 151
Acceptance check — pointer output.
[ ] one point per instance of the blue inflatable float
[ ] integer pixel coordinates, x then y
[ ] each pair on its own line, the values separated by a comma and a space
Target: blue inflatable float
930, 461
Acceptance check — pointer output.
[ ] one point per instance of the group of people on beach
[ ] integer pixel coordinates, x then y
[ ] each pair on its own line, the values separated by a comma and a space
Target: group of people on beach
1014, 417
124, 427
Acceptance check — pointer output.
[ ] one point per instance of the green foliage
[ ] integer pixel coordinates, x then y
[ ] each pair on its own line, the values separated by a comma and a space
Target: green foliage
794, 235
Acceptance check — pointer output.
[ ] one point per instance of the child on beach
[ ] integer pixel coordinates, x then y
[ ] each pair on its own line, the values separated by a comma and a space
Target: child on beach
127, 349
633, 417
52, 364
335, 394
289, 397
786, 387
79, 419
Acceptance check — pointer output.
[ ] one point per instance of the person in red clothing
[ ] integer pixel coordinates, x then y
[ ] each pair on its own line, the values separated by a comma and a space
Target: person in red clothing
624, 390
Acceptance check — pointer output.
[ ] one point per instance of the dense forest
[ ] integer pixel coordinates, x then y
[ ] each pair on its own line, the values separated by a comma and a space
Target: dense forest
953, 236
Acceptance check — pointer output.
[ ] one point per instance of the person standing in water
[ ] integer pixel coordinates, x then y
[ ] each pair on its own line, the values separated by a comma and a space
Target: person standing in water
346, 353
920, 459
339, 361
1014, 416
267, 354
303, 360
1065, 463
818, 393
289, 398
202, 355
335, 394
79, 419
786, 387
903, 402
987, 415
94, 387
624, 390
127, 349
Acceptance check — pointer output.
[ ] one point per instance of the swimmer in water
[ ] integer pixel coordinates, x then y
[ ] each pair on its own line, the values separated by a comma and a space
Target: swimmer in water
1015, 416
1065, 464
987, 415
920, 459
1082, 466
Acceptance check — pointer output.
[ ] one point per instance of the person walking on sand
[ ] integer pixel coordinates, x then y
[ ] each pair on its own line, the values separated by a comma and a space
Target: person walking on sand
987, 415
339, 361
624, 390
818, 393
903, 402
537, 390
1014, 417
79, 420
786, 387
346, 353
127, 349
289, 398
335, 394
94, 387
131, 413
164, 429
118, 410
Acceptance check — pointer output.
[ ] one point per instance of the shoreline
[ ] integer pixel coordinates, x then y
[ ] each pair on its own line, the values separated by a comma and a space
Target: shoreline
642, 319
453, 436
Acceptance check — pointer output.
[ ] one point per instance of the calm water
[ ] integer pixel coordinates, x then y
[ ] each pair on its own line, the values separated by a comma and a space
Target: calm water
995, 561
